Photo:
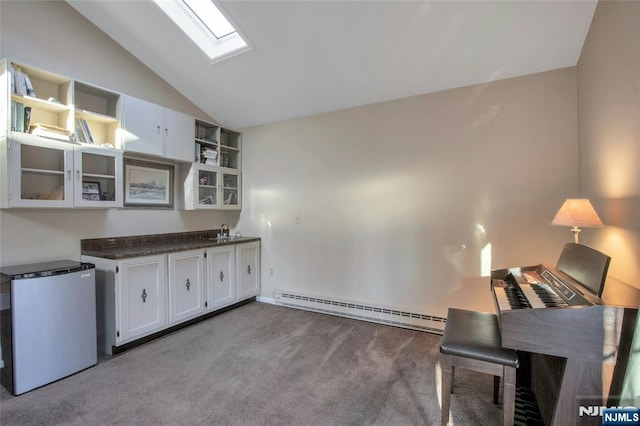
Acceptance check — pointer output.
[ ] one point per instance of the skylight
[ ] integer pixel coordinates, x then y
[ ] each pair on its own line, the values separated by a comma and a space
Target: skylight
205, 25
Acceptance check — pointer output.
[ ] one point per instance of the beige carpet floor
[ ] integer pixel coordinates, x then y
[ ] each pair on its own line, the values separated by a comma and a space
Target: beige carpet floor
261, 364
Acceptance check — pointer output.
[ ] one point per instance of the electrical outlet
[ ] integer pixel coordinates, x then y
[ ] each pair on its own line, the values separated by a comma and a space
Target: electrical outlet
272, 272
297, 219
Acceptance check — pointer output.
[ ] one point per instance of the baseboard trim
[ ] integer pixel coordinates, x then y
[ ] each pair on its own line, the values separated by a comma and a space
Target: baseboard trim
365, 312
269, 300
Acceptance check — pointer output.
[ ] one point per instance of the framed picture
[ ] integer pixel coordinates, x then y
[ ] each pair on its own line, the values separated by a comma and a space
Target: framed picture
91, 191
148, 184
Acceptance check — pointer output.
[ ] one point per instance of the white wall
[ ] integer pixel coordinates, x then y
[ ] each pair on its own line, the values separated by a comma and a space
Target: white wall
394, 197
52, 36
609, 134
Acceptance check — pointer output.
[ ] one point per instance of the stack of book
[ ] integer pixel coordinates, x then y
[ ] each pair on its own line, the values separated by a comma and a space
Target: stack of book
50, 131
209, 156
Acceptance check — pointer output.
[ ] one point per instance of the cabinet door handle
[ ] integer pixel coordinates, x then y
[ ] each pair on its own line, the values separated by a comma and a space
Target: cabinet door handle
78, 175
69, 175
166, 132
249, 269
188, 284
158, 128
144, 295
221, 276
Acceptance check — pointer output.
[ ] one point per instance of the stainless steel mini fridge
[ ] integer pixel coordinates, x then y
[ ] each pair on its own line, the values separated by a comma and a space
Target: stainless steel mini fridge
49, 329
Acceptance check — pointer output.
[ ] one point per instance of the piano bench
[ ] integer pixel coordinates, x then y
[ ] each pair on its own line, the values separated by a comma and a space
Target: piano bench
472, 340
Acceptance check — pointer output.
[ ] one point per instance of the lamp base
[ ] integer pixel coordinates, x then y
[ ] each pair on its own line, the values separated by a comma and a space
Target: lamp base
575, 231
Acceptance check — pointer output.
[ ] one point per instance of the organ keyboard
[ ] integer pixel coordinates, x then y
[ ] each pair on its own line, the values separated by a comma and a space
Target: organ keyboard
558, 318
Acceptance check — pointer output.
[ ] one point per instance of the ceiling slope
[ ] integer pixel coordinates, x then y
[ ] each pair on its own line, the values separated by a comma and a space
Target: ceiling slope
309, 57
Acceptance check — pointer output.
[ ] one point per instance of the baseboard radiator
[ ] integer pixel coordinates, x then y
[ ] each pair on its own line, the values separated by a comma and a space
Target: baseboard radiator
372, 313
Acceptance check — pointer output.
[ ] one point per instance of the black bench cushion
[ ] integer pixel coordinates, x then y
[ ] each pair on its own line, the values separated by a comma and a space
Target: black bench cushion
476, 335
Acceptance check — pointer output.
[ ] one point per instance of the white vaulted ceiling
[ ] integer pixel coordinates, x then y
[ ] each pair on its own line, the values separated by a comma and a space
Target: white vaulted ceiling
309, 57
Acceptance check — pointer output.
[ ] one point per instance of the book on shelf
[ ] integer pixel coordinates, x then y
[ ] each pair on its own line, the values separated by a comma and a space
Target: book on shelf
21, 84
17, 116
87, 131
50, 131
27, 117
206, 200
80, 135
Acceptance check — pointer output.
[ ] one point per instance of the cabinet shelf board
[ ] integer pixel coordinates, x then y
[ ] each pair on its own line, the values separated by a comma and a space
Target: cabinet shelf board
207, 186
213, 144
229, 148
98, 176
40, 103
43, 171
94, 116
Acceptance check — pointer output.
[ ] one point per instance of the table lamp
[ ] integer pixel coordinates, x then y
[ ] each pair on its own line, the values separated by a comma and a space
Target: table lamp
577, 212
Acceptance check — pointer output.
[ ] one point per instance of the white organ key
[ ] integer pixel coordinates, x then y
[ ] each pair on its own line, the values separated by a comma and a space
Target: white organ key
501, 297
532, 297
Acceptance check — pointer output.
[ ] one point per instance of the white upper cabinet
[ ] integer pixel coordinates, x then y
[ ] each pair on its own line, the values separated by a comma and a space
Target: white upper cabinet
32, 97
37, 172
177, 135
40, 173
142, 126
214, 179
98, 177
152, 129
97, 115
62, 143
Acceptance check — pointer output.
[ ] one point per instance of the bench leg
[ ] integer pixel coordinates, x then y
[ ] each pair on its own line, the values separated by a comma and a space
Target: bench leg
496, 388
446, 388
509, 398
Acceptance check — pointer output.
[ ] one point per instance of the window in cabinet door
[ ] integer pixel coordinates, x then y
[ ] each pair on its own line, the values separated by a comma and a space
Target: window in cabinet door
207, 188
230, 186
98, 177
44, 174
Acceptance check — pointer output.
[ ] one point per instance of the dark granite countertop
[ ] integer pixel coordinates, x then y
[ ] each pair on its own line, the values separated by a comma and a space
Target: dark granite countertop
147, 245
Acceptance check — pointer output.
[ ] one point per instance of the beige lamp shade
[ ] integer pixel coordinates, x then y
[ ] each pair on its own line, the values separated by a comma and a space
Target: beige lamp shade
577, 212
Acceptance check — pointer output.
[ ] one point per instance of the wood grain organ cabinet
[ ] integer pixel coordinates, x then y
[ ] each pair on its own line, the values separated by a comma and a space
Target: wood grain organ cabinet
140, 296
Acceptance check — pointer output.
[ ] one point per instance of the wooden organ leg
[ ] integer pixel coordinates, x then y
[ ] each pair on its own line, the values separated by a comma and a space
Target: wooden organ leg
581, 379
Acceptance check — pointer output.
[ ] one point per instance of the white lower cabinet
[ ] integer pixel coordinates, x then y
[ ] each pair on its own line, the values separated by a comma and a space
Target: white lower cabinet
186, 285
139, 296
141, 293
221, 277
248, 259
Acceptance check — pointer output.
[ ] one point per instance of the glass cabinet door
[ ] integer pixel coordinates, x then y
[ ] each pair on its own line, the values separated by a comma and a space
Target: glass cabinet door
231, 190
41, 173
207, 188
98, 174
